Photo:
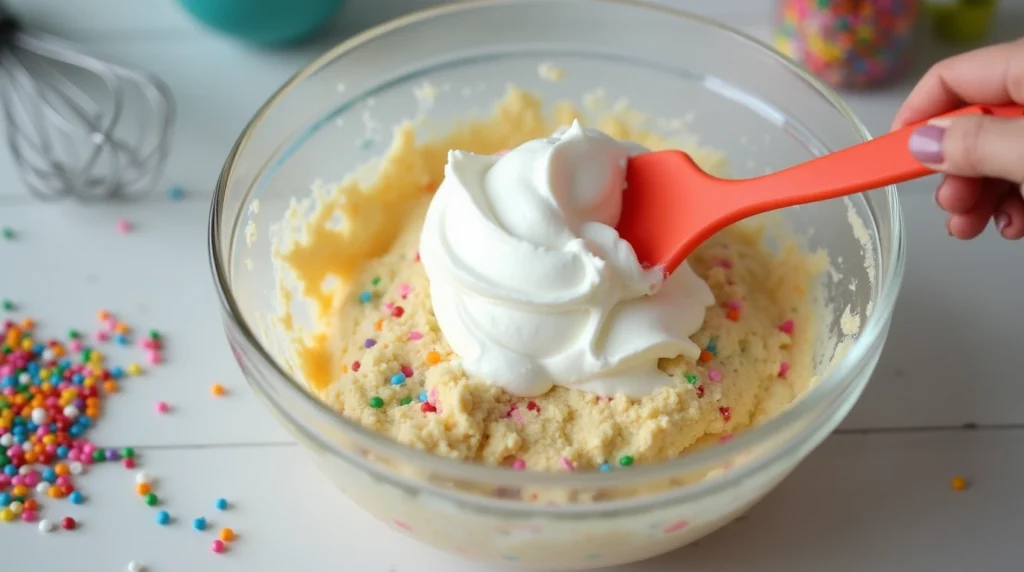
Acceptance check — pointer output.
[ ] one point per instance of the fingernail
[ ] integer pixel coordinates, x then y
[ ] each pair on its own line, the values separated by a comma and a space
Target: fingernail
1002, 221
926, 144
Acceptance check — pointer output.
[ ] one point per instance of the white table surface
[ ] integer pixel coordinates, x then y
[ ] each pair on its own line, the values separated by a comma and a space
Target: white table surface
875, 496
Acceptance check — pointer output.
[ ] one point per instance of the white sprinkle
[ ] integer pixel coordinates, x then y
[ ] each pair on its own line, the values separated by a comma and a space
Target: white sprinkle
142, 477
48, 354
134, 566
42, 487
45, 526
70, 412
550, 72
76, 468
25, 469
6, 440
16, 507
24, 379
39, 416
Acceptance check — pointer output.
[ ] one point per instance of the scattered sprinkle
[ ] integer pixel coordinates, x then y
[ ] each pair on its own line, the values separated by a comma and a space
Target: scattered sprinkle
227, 535
68, 523
369, 343
376, 402
134, 566
783, 369
519, 465
958, 483
356, 365
415, 336
397, 311
700, 391
712, 346
605, 467
8, 233
217, 546
365, 297
45, 526
406, 371
151, 499
124, 226
143, 489
175, 193
405, 400
715, 375
163, 518
221, 504
732, 314
422, 397
725, 412
404, 290
76, 497
625, 461
143, 477
8, 305
705, 356
162, 407
567, 463
217, 390
199, 523
786, 327
691, 379
398, 379
426, 407
433, 357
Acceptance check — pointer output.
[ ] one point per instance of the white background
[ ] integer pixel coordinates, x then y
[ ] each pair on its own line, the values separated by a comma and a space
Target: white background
875, 496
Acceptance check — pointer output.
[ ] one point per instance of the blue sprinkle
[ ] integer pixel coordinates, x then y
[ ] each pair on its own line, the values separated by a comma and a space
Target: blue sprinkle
398, 379
49, 475
422, 397
199, 523
76, 498
11, 470
222, 504
175, 193
713, 347
163, 517
62, 452
121, 339
369, 343
365, 297
117, 372
5, 499
605, 467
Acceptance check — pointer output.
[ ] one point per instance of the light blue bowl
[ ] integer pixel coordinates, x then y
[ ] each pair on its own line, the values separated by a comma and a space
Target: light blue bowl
266, 22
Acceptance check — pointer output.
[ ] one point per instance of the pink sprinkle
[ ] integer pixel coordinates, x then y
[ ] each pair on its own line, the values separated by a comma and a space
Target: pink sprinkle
76, 346
519, 465
217, 546
515, 414
432, 396
88, 448
567, 463
735, 305
149, 344
389, 305
715, 375
725, 263
407, 371
417, 257
402, 524
404, 290
17, 480
102, 336
676, 526
28, 515
153, 357
783, 369
4, 481
415, 336
786, 327
726, 438
111, 323
62, 480
124, 226
162, 407
129, 463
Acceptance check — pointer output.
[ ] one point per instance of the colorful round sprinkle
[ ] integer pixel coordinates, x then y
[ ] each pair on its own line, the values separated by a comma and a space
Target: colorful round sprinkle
45, 526
76, 498
376, 402
217, 390
163, 518
958, 483
227, 535
398, 379
162, 407
217, 546
68, 523
199, 523
134, 566
625, 461
151, 499
221, 504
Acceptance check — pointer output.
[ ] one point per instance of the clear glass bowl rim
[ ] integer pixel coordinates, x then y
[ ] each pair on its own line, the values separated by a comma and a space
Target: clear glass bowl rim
831, 383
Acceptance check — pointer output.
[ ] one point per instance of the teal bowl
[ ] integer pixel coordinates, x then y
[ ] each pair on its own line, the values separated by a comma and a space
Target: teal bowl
265, 22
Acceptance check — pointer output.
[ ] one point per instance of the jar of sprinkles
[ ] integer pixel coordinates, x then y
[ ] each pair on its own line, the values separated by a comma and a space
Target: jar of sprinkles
848, 43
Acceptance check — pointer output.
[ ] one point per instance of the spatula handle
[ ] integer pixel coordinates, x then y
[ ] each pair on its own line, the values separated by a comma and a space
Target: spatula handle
881, 161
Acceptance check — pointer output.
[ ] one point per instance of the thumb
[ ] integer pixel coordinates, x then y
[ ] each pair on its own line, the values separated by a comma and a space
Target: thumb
972, 146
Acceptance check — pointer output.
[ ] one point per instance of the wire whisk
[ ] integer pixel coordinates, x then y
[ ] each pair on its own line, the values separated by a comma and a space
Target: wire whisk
77, 125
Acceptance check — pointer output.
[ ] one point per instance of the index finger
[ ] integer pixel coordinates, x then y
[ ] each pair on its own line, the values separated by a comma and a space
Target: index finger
992, 75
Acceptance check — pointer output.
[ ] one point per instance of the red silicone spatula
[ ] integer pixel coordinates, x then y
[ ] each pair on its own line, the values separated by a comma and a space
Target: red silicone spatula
670, 205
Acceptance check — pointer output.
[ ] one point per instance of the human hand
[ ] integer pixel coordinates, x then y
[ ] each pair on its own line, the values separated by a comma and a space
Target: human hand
981, 156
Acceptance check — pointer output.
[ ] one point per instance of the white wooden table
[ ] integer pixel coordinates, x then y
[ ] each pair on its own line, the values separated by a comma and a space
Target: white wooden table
875, 496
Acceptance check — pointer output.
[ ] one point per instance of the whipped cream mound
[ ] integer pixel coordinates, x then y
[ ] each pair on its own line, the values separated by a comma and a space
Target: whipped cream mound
531, 284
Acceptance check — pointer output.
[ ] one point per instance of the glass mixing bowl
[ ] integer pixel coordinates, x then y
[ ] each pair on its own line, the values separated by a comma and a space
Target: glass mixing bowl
764, 112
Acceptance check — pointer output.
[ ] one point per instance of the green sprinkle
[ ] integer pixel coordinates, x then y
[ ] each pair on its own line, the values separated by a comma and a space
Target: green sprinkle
127, 452
376, 402
98, 456
691, 379
151, 499
405, 401
73, 334
154, 335
375, 281
8, 306
625, 460
85, 355
8, 233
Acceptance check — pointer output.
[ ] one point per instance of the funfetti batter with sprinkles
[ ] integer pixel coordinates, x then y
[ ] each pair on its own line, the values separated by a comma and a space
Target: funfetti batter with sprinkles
573, 360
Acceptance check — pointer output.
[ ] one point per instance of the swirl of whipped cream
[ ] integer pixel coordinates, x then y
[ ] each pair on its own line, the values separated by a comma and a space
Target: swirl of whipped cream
531, 284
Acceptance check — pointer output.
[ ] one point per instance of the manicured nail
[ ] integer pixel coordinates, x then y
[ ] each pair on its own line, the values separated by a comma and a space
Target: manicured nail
926, 144
1002, 221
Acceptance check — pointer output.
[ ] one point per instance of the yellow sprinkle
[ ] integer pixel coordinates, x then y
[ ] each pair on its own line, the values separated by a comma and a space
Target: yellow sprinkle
958, 483
134, 369
6, 515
